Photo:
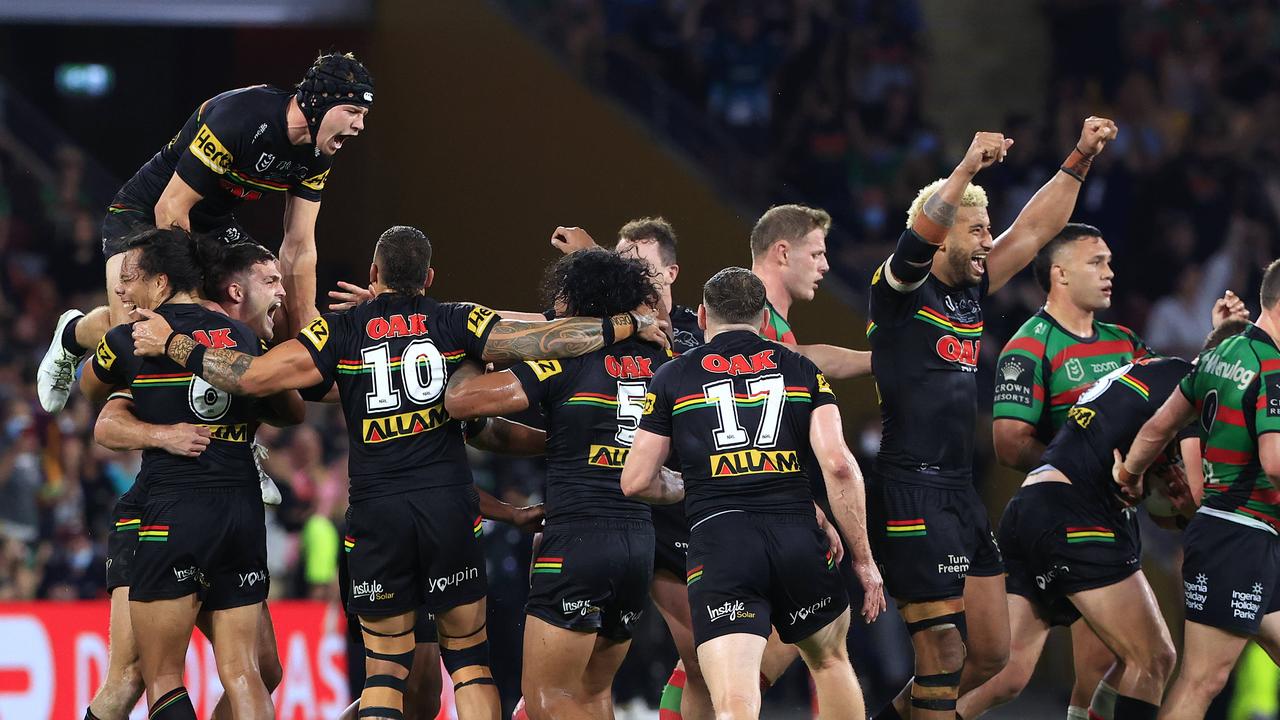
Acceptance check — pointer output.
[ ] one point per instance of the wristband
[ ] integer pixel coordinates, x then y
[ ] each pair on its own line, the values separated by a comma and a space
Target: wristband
195, 361
472, 428
606, 331
1077, 164
1126, 477
618, 328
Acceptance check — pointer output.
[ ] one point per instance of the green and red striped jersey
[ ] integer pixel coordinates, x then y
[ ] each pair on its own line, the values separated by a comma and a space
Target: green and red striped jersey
1045, 367
776, 327
1235, 387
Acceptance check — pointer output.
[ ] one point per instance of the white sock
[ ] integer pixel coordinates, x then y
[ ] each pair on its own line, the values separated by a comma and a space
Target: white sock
1075, 712
1104, 701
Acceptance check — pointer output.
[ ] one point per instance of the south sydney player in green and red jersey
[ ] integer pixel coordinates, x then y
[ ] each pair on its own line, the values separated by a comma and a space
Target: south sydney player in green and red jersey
1234, 395
928, 525
593, 567
237, 146
414, 516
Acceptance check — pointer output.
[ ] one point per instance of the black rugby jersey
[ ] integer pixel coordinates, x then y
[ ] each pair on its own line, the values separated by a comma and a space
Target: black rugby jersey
1107, 417
925, 343
593, 406
234, 147
391, 358
737, 412
164, 393
685, 333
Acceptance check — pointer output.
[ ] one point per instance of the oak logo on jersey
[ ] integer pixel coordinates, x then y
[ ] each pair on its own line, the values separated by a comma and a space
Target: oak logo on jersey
237, 432
544, 369
214, 339
479, 319
963, 352
739, 364
317, 331
1081, 416
1010, 386
396, 326
628, 366
106, 358
316, 182
391, 427
607, 456
210, 151
754, 462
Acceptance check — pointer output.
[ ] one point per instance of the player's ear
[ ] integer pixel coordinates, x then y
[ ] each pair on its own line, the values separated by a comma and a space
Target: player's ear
702, 317
431, 276
673, 271
373, 273
780, 251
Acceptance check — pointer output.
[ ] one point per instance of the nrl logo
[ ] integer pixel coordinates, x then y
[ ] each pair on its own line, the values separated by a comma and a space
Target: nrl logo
264, 162
1010, 371
1075, 370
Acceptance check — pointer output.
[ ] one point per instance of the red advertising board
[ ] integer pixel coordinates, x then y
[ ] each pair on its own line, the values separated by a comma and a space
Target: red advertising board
53, 657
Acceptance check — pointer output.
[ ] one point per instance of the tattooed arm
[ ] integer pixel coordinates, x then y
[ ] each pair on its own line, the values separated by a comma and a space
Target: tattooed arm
514, 340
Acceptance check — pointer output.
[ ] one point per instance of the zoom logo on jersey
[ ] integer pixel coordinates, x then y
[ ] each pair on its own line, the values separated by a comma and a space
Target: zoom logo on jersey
382, 429
805, 613
628, 366
444, 583
732, 609
607, 456
739, 364
1241, 376
396, 326
210, 151
963, 352
370, 590
754, 462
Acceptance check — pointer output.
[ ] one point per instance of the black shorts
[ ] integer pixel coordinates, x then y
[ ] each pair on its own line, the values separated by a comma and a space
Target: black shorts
122, 221
424, 629
415, 549
593, 576
212, 542
749, 572
670, 539
1056, 543
927, 540
1229, 574
123, 543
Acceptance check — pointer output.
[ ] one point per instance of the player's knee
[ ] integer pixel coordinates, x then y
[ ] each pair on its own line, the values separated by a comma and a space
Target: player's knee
1009, 683
731, 703
1163, 660
271, 670
987, 663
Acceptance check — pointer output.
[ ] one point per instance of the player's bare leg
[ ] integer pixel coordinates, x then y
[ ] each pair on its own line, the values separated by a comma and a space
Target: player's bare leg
167, 626
825, 652
731, 666
236, 635
123, 685
671, 595
1208, 655
268, 658
1127, 618
597, 681
778, 657
554, 669
1092, 660
987, 619
464, 648
1028, 632
1268, 636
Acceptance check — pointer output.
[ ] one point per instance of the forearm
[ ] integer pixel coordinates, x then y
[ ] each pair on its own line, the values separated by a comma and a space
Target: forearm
939, 212
1022, 452
1151, 439
837, 363
122, 432
284, 409
491, 508
667, 488
512, 340
847, 495
225, 369
298, 259
1049, 209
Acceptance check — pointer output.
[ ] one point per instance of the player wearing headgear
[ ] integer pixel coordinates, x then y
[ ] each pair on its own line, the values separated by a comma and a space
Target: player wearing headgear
1231, 549
1049, 362
928, 524
236, 147
740, 412
201, 544
246, 285
595, 561
414, 516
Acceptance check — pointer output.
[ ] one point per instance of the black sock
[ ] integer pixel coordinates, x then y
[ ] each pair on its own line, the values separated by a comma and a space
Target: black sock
1128, 708
889, 713
88, 714
69, 338
173, 705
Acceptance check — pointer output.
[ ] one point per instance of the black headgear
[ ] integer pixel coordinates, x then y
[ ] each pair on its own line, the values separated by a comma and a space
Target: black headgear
334, 79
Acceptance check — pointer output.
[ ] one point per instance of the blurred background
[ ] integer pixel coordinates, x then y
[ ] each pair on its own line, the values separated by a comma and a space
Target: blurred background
497, 120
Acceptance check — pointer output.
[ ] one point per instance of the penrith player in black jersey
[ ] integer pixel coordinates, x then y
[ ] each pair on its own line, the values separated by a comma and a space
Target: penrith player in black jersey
201, 544
594, 564
741, 412
236, 147
414, 512
928, 524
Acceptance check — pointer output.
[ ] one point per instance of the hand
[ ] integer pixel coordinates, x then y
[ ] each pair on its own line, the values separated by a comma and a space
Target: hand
986, 149
528, 518
184, 439
1095, 135
833, 536
348, 296
1178, 490
571, 239
648, 328
150, 334
1131, 490
1229, 307
873, 602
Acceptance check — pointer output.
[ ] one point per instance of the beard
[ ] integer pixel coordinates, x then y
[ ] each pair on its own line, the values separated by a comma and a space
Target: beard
959, 266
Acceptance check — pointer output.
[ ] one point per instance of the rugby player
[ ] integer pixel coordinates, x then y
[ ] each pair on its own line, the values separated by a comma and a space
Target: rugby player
414, 520
756, 555
595, 560
1234, 394
235, 147
925, 322
1049, 362
246, 286
201, 532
